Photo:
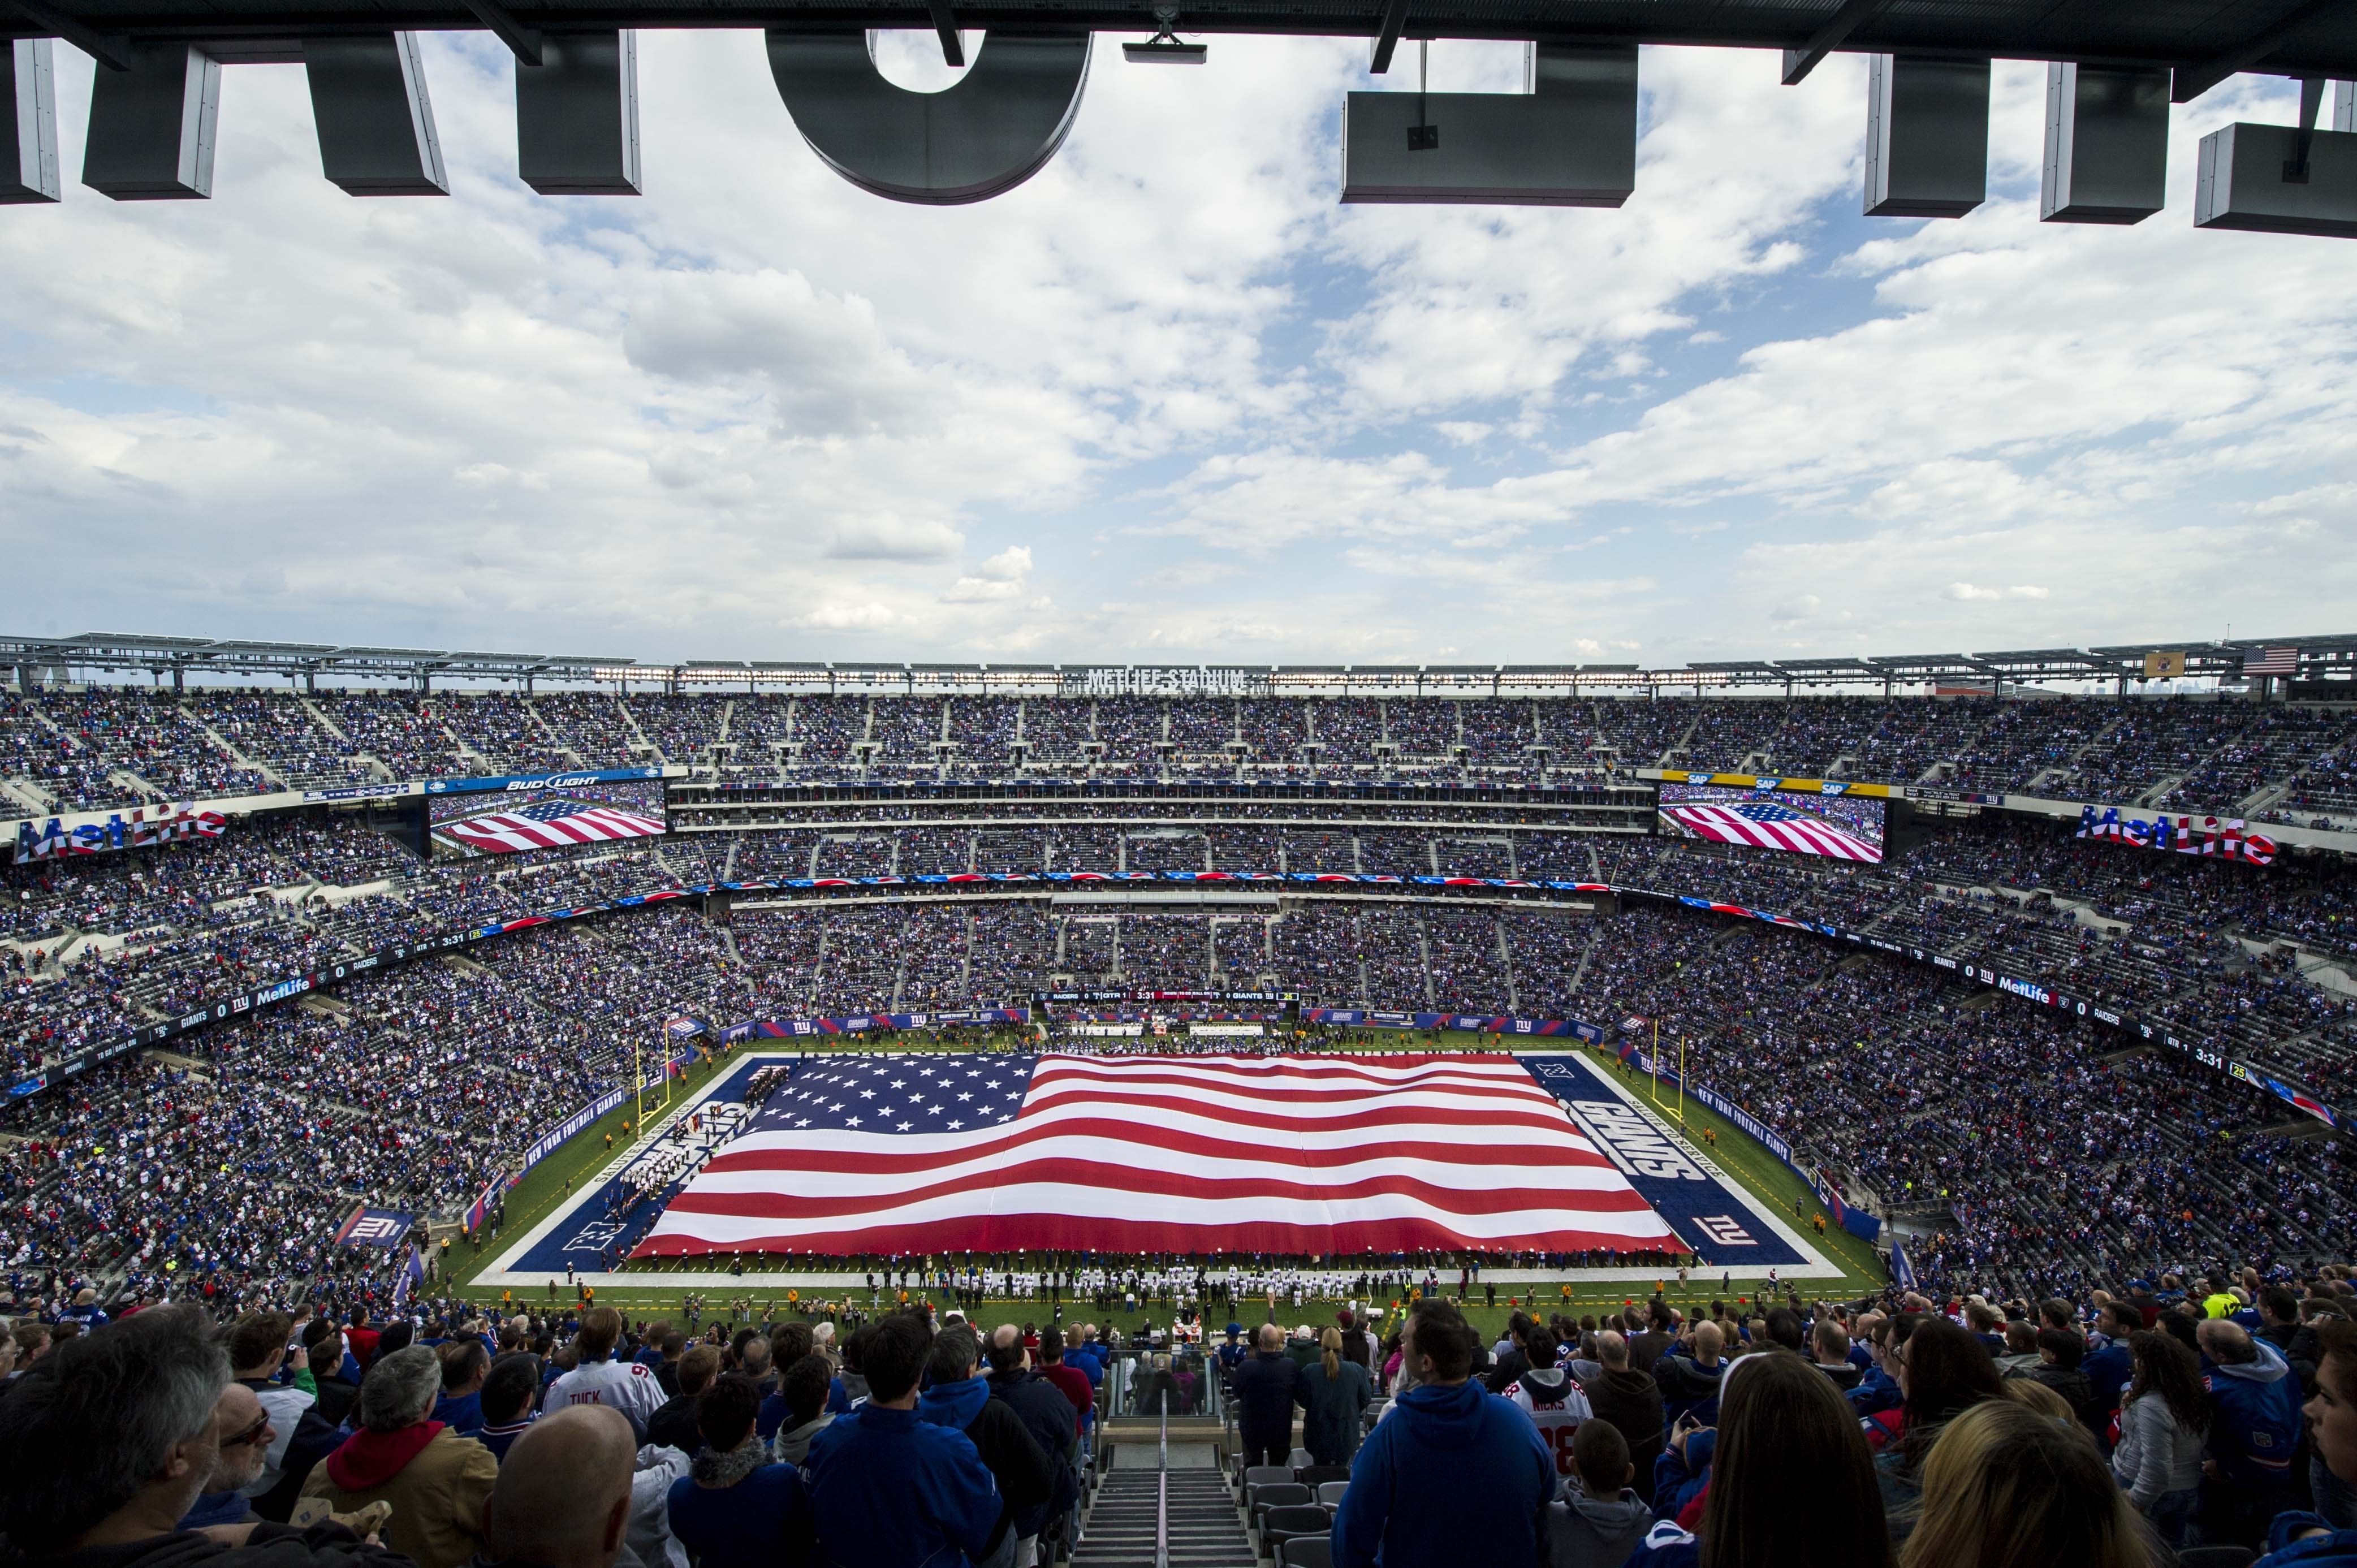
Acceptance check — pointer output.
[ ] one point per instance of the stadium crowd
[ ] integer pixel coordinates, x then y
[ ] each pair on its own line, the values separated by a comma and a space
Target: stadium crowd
73, 750
2212, 1415
421, 1083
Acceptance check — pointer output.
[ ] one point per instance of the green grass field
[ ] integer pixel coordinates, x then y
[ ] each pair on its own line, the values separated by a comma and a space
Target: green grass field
554, 1181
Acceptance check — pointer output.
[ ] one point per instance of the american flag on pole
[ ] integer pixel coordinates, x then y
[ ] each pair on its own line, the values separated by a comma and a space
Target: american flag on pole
2270, 662
551, 825
1768, 825
1298, 1154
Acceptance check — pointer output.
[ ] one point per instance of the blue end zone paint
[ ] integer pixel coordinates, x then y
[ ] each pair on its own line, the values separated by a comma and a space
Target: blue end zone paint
1716, 1216
584, 1234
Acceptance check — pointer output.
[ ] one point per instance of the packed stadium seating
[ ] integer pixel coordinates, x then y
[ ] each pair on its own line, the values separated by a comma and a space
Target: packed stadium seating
2031, 1156
426, 1078
79, 749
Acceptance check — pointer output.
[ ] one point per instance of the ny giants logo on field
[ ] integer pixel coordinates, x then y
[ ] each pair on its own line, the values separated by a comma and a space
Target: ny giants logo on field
1631, 1142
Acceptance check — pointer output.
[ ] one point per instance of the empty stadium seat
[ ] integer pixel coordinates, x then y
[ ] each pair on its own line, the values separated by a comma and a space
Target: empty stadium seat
1329, 1494
1274, 1495
1298, 1521
1307, 1552
2216, 1557
1316, 1476
1260, 1476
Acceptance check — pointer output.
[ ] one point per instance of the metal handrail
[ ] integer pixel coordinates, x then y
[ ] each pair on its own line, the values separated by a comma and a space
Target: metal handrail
1162, 1494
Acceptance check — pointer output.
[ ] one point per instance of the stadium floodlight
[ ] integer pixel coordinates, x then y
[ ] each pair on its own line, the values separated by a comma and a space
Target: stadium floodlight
1164, 48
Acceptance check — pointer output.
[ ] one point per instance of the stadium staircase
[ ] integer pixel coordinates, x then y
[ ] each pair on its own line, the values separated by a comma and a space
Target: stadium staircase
221, 743
1164, 1519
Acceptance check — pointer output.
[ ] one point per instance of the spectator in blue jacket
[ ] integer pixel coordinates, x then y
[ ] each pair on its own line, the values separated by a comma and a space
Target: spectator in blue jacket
1689, 1382
886, 1487
735, 1508
2110, 1365
465, 1363
2254, 1430
510, 1400
1453, 1474
1878, 1391
2307, 1539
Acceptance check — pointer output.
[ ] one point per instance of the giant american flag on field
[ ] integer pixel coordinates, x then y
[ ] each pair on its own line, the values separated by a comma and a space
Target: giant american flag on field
1300, 1154
1838, 830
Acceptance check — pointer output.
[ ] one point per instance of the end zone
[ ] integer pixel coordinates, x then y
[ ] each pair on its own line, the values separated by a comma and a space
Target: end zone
1722, 1219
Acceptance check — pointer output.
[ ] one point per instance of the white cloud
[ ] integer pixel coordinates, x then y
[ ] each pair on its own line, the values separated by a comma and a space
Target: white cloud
892, 539
1229, 417
1966, 593
1004, 576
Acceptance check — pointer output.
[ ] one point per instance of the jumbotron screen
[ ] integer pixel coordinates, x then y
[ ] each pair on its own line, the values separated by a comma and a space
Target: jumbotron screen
559, 818
1836, 826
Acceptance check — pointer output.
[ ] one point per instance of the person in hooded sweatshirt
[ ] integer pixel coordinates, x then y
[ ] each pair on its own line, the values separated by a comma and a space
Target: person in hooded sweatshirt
2019, 1358
2254, 1429
2299, 1539
436, 1481
1548, 1395
1600, 1520
887, 1486
958, 1396
1453, 1474
805, 1386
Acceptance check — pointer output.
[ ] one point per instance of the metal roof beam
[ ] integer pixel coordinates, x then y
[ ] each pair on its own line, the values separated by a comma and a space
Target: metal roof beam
112, 50
1387, 36
2188, 83
523, 42
1799, 62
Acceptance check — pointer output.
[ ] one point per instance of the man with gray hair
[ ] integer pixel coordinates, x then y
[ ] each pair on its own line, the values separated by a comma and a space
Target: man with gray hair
107, 1442
436, 1481
243, 1439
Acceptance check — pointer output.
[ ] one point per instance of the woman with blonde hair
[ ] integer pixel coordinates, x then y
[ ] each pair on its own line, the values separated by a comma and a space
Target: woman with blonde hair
1333, 1392
2006, 1487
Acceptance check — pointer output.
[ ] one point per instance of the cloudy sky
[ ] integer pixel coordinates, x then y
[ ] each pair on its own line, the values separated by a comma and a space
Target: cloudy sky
1169, 399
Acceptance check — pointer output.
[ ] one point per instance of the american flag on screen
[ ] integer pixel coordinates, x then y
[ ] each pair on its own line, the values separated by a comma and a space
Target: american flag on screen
2270, 662
551, 825
1767, 825
1304, 1154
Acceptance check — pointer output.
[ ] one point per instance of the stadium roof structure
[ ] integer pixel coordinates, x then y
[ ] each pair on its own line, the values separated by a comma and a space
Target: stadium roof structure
2327, 657
1569, 140
2204, 40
